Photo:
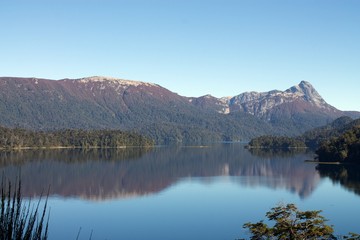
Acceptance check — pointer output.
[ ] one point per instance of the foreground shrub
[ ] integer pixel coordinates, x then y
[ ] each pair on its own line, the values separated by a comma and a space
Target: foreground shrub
19, 222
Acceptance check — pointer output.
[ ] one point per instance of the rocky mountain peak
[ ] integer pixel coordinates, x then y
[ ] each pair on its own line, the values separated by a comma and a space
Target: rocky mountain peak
305, 90
300, 98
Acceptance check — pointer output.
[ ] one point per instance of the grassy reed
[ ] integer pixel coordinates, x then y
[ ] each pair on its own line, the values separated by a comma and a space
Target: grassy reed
19, 222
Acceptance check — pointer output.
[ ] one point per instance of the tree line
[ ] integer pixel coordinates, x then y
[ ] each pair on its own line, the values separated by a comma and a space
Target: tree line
276, 142
12, 138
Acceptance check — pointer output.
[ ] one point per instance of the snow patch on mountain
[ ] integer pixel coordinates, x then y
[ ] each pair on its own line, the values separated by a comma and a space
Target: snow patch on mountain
114, 80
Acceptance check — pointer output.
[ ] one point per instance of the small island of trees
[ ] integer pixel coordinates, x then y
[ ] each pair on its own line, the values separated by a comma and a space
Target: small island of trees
275, 142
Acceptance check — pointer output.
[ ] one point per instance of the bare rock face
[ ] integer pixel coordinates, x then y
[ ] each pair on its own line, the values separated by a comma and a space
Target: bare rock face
211, 103
306, 91
302, 98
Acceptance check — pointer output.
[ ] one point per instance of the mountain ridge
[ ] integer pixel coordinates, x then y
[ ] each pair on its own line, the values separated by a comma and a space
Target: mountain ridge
261, 102
150, 109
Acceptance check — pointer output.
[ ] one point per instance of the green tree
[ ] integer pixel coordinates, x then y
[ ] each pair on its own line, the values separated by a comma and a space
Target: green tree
291, 223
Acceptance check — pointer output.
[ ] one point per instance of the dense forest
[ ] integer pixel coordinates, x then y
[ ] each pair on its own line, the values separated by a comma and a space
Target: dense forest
12, 138
345, 148
275, 142
311, 139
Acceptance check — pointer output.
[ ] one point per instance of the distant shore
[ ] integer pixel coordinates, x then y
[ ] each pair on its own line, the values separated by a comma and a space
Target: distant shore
69, 147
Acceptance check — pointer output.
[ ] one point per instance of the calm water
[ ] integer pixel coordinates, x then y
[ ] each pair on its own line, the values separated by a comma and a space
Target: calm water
179, 192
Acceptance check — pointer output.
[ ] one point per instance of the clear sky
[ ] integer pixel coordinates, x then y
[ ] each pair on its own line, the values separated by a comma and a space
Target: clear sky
192, 47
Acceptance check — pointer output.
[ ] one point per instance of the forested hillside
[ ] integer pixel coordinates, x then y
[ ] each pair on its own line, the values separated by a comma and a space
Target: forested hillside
313, 138
345, 148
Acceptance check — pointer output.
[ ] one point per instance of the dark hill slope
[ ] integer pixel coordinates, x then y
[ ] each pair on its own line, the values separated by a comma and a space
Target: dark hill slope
313, 138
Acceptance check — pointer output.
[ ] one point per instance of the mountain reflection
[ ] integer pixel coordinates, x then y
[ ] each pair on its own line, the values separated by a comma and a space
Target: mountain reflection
106, 174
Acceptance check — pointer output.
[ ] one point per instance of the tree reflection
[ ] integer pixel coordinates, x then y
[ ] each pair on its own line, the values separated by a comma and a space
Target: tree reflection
348, 175
277, 152
71, 155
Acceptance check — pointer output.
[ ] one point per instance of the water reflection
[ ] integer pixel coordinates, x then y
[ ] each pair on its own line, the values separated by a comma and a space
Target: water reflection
284, 169
278, 153
106, 174
348, 175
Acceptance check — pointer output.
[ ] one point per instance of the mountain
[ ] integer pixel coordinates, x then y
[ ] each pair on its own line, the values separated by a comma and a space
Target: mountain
294, 110
297, 99
147, 108
210, 103
107, 103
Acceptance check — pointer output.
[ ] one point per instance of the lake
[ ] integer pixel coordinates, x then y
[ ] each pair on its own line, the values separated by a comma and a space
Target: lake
188, 192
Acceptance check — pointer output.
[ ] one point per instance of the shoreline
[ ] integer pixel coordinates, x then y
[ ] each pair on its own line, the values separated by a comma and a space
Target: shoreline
318, 162
331, 163
68, 147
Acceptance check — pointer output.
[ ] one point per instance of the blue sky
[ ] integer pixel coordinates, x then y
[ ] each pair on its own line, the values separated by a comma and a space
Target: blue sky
192, 47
